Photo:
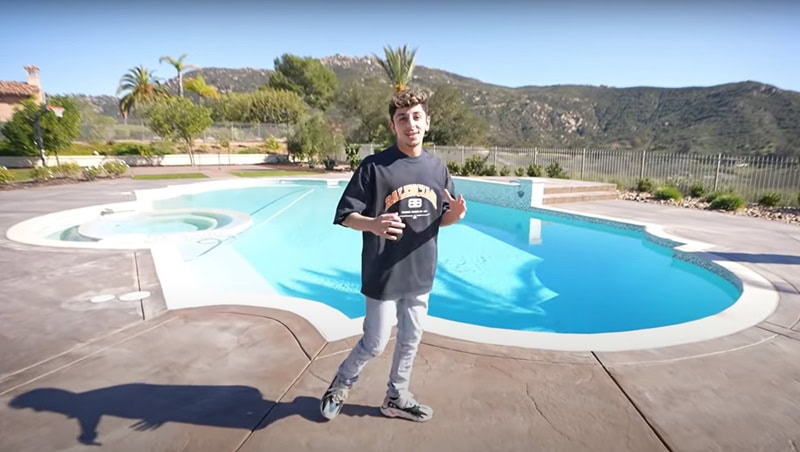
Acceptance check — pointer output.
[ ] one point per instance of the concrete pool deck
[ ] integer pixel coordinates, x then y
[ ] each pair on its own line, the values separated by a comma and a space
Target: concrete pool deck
133, 376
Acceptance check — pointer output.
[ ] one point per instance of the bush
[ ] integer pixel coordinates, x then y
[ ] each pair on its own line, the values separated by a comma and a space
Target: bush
41, 174
474, 165
505, 171
696, 190
555, 170
644, 185
6, 176
534, 170
668, 192
68, 170
351, 150
727, 202
454, 168
115, 168
519, 172
92, 172
770, 199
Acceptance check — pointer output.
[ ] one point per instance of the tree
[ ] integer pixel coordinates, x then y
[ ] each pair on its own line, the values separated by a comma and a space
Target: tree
140, 88
364, 107
398, 65
199, 86
452, 122
179, 66
177, 118
263, 106
307, 77
57, 133
314, 137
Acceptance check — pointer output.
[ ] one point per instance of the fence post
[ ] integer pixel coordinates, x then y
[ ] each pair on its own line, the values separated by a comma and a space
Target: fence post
641, 170
462, 154
716, 175
535, 154
495, 156
583, 161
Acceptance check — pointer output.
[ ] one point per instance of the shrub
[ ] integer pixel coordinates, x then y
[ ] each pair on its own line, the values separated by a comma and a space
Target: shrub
454, 168
351, 150
644, 185
6, 176
727, 202
771, 199
696, 190
68, 169
556, 171
474, 165
115, 168
490, 170
519, 172
329, 163
534, 170
41, 174
505, 171
668, 192
92, 172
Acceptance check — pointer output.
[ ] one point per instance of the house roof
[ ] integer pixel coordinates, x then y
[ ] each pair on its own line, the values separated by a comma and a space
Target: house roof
17, 88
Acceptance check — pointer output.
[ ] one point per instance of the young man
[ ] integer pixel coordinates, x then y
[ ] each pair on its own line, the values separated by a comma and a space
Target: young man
398, 198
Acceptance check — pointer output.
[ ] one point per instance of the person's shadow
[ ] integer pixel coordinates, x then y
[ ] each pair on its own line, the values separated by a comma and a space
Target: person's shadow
154, 405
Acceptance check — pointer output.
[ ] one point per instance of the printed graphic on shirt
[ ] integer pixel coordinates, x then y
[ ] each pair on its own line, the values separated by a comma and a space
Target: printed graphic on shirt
414, 207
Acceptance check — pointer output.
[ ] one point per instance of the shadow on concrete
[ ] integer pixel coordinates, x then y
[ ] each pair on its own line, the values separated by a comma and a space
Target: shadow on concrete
240, 407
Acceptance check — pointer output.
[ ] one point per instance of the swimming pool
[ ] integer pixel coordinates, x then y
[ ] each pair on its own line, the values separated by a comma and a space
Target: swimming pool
527, 277
500, 267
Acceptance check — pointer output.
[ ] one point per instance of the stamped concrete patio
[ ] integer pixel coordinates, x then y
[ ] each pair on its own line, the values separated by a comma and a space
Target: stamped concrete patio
131, 376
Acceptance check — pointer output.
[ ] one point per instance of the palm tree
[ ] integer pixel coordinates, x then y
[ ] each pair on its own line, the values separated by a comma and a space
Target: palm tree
399, 66
180, 67
140, 87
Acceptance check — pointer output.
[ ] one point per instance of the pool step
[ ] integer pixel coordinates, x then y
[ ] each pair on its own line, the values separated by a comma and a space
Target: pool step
578, 191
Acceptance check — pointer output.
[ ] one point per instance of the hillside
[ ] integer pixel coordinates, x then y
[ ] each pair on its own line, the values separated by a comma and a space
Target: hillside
736, 118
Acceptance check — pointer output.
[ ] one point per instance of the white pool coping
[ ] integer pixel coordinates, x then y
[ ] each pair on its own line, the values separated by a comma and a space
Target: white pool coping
183, 288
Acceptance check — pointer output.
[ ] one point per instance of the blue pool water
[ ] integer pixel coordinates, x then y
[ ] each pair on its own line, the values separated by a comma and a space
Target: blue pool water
499, 267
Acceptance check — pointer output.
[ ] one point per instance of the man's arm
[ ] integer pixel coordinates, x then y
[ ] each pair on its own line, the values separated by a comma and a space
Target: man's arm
457, 210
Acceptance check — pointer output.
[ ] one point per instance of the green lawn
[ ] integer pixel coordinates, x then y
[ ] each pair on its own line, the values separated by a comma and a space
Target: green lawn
272, 173
170, 176
21, 174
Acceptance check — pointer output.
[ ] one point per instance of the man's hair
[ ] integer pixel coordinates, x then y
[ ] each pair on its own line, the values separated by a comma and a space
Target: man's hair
407, 98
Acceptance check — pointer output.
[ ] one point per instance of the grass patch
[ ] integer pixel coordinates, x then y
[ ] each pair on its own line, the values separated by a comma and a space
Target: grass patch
169, 176
272, 173
21, 174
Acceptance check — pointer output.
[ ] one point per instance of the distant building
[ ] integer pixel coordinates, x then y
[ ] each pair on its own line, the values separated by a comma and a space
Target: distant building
12, 93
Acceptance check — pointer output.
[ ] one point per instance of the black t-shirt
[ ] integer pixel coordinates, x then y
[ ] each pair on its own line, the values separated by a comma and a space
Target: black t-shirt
392, 182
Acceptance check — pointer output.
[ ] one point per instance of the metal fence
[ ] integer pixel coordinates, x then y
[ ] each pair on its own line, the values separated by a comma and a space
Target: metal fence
749, 176
138, 131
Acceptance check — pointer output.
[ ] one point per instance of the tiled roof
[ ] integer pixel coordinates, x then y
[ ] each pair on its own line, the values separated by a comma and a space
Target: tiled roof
17, 88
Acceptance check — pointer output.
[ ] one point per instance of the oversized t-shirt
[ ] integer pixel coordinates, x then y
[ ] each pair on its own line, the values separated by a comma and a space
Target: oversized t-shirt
392, 182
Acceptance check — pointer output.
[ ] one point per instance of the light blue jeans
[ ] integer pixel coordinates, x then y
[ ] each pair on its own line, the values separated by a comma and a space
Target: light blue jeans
410, 313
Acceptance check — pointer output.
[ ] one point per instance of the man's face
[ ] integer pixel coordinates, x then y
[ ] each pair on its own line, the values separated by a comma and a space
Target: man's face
409, 125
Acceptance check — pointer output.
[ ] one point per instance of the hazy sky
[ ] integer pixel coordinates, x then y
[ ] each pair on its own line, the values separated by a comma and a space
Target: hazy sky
85, 46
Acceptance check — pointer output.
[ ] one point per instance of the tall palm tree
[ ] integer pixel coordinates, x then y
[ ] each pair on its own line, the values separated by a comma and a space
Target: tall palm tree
399, 66
140, 86
179, 66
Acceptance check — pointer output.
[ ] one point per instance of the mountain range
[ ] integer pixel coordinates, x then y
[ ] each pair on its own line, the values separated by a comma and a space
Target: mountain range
736, 118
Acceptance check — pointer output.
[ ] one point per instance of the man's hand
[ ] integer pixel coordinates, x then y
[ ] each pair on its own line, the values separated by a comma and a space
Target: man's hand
457, 211
388, 226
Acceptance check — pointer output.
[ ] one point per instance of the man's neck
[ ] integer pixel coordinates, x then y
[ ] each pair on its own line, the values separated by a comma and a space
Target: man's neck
414, 151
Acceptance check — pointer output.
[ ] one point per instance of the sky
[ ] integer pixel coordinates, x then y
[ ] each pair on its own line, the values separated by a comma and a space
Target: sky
85, 46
